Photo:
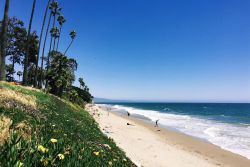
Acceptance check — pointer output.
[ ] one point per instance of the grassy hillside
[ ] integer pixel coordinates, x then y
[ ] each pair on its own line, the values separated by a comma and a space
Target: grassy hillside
38, 129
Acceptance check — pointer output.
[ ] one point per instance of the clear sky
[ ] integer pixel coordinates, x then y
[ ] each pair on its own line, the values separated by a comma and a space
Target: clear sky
157, 50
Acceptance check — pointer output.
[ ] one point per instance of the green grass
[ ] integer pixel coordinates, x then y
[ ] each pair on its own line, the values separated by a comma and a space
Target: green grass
78, 136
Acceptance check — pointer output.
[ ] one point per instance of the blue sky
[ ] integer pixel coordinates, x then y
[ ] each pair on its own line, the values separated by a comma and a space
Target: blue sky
162, 50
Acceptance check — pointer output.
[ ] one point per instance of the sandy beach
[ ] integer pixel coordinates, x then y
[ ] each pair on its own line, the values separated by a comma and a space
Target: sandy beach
149, 146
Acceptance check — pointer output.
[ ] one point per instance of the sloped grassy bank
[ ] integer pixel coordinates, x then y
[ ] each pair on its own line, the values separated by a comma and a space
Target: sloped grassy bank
38, 129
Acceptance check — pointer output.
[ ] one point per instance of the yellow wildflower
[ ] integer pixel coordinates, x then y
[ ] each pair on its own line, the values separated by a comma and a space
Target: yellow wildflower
66, 153
45, 162
53, 140
110, 163
19, 164
42, 149
60, 156
96, 153
79, 157
107, 146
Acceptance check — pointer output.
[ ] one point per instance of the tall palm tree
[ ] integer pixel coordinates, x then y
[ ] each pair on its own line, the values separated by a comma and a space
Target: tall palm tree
44, 43
55, 10
26, 58
4, 40
40, 40
61, 20
55, 35
73, 36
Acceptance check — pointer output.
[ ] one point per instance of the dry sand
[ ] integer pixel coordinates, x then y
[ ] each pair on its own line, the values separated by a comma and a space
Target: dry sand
149, 146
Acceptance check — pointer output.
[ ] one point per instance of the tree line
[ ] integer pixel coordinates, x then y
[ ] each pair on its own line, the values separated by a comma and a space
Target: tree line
53, 71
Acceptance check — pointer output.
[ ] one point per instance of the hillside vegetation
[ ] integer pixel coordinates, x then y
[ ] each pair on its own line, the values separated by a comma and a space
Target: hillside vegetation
39, 129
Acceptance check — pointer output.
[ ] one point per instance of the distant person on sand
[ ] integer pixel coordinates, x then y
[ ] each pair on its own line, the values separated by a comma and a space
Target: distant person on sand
156, 123
109, 110
130, 124
128, 113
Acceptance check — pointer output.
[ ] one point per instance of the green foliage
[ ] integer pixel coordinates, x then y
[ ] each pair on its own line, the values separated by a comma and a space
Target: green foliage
78, 137
61, 73
54, 7
73, 95
14, 49
33, 47
61, 20
82, 84
32, 73
16, 45
15, 31
80, 96
83, 94
10, 71
72, 34
54, 32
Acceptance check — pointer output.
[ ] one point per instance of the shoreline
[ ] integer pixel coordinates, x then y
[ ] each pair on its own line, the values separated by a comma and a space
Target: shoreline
147, 145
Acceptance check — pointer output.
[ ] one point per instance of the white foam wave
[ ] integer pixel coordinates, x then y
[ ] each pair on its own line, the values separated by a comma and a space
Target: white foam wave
231, 137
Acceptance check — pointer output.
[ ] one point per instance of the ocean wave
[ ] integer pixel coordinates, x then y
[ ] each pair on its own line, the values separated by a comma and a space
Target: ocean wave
231, 137
166, 109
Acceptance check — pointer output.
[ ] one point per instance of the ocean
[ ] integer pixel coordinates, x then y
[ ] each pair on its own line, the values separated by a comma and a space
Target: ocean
224, 124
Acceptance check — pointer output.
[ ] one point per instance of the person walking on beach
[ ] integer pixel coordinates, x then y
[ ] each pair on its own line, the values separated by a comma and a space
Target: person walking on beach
109, 110
156, 123
128, 113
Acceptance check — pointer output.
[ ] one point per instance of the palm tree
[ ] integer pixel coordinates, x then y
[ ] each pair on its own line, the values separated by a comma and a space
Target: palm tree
73, 36
61, 73
55, 35
82, 84
19, 73
4, 41
40, 40
55, 11
44, 43
61, 20
26, 58
86, 88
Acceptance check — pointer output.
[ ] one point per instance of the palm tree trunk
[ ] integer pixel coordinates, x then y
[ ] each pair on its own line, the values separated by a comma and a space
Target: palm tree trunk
68, 47
13, 66
26, 59
50, 46
48, 60
59, 38
4, 41
40, 40
44, 44
54, 44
